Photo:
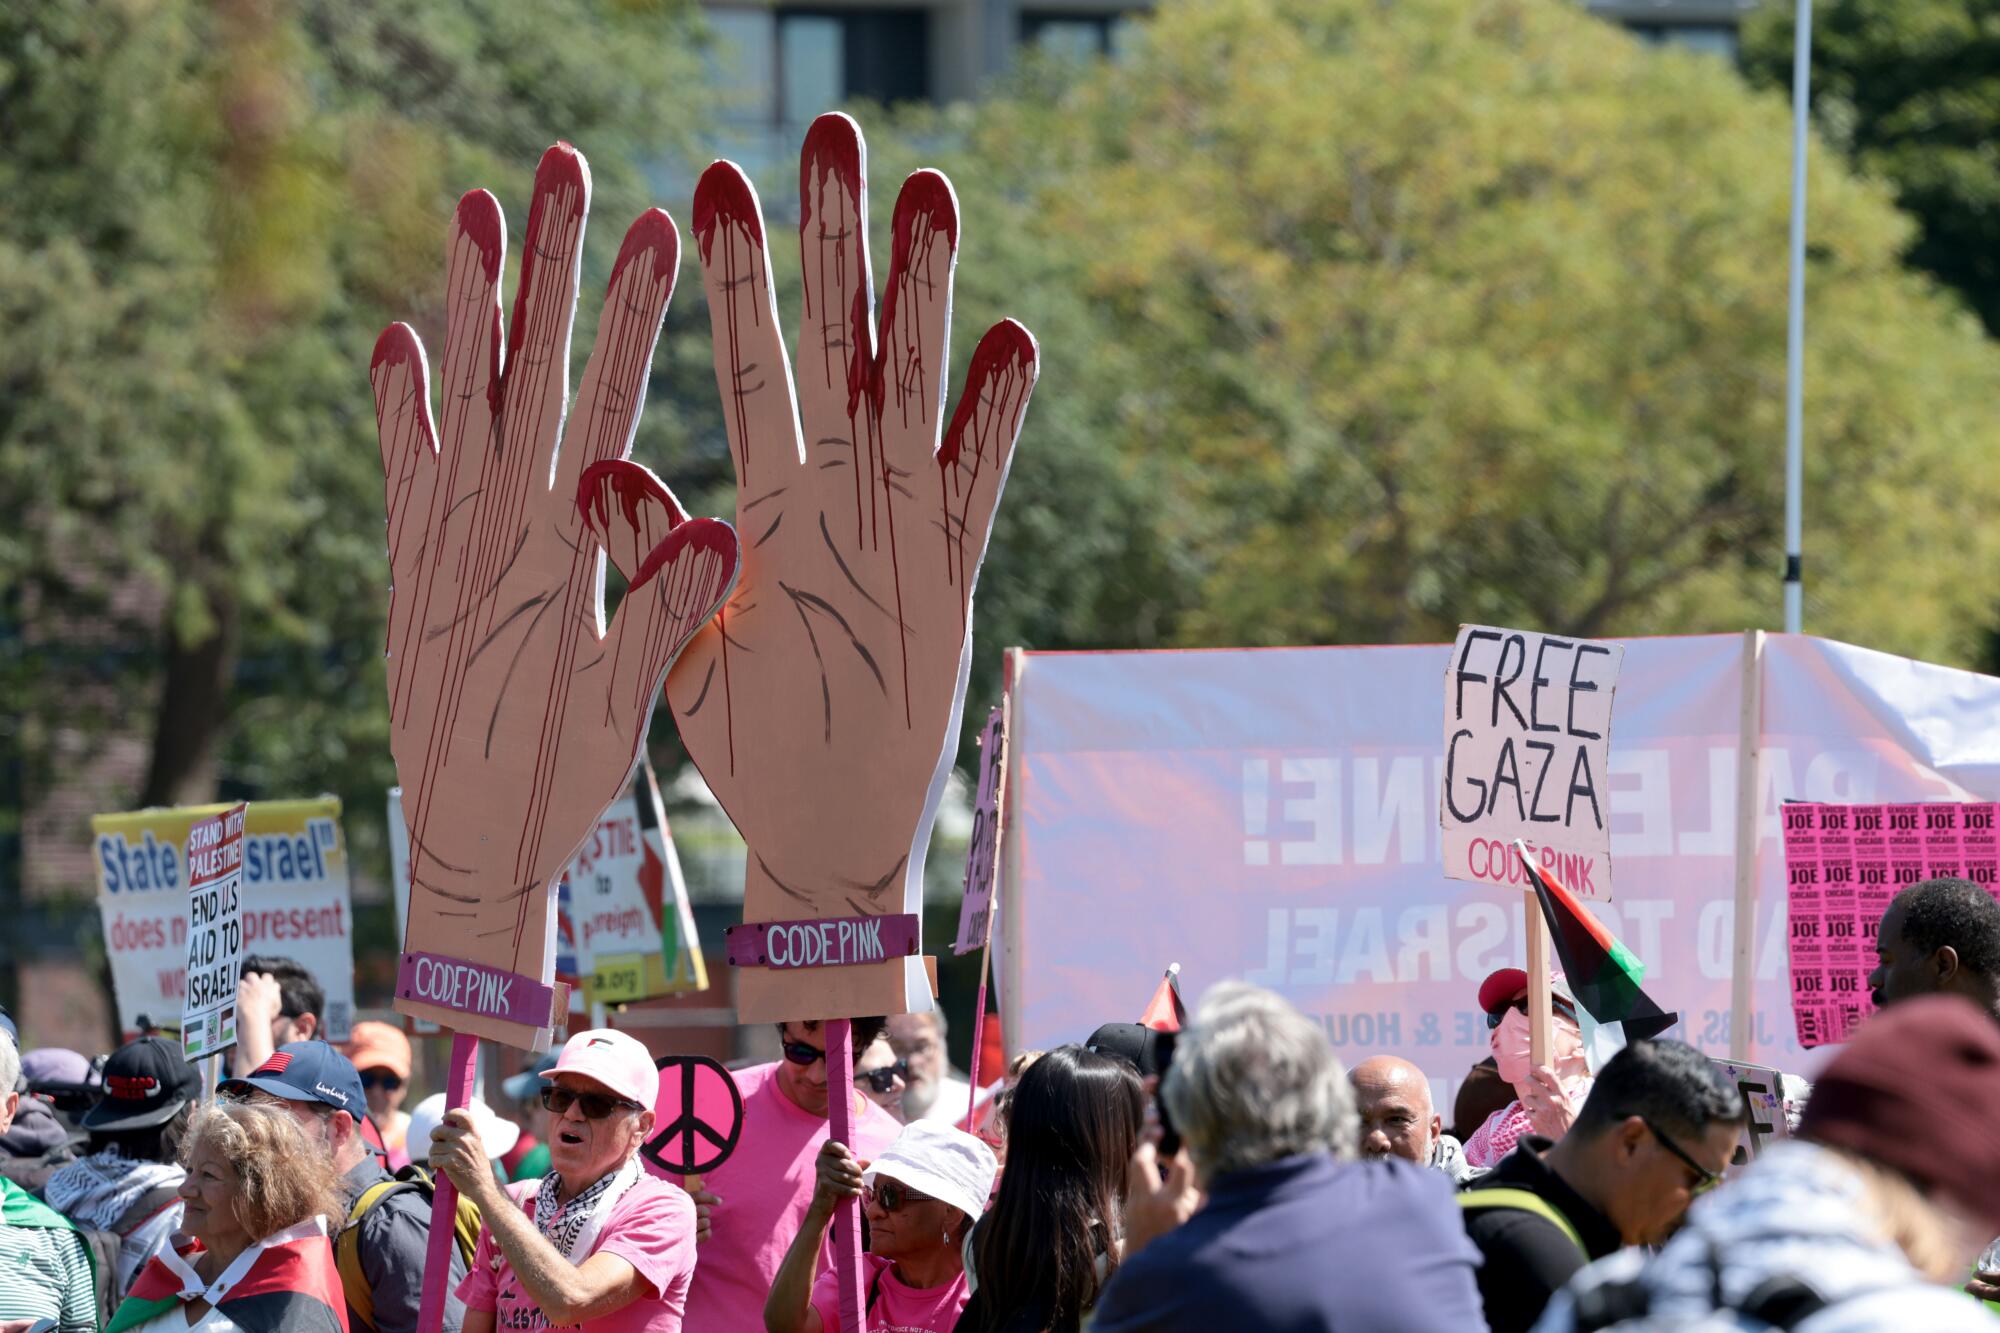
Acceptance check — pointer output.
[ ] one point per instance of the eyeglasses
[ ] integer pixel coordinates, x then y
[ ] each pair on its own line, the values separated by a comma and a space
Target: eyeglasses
594, 1105
884, 1079
1705, 1179
1495, 1017
380, 1078
892, 1195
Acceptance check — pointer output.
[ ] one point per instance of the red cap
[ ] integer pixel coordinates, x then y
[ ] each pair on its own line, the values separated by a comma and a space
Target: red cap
1509, 983
1918, 1090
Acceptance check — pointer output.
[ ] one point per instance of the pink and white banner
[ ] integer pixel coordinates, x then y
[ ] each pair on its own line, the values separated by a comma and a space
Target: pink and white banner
1271, 814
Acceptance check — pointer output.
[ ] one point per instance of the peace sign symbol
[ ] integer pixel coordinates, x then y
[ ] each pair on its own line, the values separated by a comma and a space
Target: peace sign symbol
698, 1100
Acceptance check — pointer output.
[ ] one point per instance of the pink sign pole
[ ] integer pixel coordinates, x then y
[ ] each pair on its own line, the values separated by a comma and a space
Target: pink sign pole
444, 1203
846, 1222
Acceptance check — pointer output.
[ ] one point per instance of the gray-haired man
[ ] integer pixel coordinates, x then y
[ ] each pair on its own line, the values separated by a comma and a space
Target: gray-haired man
1270, 1128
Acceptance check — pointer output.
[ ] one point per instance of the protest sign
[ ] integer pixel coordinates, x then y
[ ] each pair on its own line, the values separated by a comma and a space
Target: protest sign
516, 709
697, 1118
295, 903
1763, 1094
214, 933
1271, 815
1843, 866
1527, 750
975, 913
624, 927
823, 706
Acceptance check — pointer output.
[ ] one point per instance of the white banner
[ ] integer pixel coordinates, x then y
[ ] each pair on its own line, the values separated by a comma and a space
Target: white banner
295, 903
1272, 815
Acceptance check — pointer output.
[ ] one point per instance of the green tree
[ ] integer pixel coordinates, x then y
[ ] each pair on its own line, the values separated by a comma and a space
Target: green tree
1433, 312
207, 212
1906, 90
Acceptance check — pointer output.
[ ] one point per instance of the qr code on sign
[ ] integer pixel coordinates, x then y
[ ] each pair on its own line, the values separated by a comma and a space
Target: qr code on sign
339, 1020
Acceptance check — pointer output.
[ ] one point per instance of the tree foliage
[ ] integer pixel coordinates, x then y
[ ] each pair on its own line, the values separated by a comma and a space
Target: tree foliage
1430, 312
207, 212
1907, 91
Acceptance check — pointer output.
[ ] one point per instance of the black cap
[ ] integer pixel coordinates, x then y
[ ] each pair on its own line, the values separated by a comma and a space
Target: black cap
1141, 1047
145, 1082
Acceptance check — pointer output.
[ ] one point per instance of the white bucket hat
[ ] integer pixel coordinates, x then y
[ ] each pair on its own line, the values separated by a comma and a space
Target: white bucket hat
935, 1159
498, 1135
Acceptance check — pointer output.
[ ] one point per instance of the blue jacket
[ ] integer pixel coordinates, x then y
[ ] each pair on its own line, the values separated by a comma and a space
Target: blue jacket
1307, 1245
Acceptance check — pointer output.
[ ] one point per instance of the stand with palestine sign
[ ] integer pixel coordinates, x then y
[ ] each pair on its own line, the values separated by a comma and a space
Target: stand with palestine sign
215, 934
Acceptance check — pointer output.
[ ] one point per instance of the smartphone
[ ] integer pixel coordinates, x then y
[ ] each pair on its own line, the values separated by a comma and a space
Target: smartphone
1170, 1137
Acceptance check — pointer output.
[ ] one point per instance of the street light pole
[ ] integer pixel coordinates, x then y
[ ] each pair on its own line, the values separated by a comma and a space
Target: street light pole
1795, 339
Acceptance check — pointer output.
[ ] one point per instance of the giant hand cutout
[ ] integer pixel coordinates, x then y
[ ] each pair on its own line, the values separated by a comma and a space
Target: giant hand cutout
823, 704
516, 712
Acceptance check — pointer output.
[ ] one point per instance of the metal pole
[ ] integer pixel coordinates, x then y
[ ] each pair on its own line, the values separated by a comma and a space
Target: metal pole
1795, 337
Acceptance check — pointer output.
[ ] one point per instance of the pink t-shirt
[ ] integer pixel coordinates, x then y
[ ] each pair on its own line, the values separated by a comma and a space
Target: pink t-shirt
651, 1227
765, 1187
897, 1308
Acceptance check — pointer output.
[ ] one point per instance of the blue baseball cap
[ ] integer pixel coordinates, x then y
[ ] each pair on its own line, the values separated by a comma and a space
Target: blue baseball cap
306, 1071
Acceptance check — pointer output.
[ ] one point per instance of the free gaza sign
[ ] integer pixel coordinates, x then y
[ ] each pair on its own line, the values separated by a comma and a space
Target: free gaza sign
1527, 741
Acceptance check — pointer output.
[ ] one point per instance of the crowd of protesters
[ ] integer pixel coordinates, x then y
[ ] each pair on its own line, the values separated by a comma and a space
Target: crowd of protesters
1234, 1176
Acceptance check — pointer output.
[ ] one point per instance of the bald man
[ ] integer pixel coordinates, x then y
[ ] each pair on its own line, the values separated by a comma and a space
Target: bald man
1397, 1119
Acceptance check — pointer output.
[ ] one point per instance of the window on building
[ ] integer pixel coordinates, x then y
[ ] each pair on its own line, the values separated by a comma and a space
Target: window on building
1069, 36
1717, 39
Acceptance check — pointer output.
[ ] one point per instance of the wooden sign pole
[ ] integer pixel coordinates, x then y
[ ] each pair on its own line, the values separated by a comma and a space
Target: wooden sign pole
1540, 1017
978, 1035
847, 1221
1749, 790
444, 1201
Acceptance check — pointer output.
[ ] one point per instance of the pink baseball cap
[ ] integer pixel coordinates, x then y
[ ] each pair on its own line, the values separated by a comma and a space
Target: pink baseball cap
619, 1061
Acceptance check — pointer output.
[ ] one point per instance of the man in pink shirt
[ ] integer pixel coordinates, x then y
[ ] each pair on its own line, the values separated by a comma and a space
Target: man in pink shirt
598, 1243
760, 1195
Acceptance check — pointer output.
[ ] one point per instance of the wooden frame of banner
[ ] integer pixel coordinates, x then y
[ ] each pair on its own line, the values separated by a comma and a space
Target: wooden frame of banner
1749, 774
1541, 1008
986, 945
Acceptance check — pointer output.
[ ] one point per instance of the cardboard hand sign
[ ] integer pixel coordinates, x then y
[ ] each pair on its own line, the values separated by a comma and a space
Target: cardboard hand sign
516, 711
822, 706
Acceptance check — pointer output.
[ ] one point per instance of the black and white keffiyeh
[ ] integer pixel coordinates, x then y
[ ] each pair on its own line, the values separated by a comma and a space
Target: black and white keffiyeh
573, 1228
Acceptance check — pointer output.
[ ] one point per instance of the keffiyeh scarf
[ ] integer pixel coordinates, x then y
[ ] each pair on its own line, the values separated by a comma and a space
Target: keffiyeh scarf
96, 1191
573, 1228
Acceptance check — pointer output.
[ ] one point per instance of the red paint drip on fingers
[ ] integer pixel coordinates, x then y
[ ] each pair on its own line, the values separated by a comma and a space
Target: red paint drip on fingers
634, 487
479, 220
724, 197
926, 200
1007, 347
711, 535
653, 236
832, 145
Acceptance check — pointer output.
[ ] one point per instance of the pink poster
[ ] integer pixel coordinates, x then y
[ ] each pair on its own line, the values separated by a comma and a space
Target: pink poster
1843, 865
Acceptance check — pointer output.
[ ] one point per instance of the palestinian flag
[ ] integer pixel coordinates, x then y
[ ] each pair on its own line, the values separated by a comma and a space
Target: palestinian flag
286, 1283
1165, 1012
1603, 974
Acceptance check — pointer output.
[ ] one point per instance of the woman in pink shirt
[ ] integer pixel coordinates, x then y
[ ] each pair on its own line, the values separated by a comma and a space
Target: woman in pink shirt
598, 1243
921, 1196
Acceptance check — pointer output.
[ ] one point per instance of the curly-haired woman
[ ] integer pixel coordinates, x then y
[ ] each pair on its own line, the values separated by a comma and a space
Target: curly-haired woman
257, 1198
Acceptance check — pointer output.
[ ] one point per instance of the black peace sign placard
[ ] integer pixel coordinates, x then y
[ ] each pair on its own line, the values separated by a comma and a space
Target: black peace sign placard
697, 1117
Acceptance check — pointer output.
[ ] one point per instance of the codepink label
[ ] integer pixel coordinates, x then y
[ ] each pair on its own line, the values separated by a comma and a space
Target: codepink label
1843, 865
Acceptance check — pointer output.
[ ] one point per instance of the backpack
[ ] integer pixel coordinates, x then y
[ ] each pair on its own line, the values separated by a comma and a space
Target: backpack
1523, 1201
1780, 1302
347, 1245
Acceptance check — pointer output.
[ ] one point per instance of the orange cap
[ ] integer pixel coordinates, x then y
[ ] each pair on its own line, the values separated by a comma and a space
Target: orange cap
375, 1045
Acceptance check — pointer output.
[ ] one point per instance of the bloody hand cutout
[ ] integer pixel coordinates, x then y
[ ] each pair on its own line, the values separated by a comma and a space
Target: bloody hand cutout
516, 712
823, 704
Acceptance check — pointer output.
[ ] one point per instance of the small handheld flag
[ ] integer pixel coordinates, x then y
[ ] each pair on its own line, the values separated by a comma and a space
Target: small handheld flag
1603, 974
1165, 1012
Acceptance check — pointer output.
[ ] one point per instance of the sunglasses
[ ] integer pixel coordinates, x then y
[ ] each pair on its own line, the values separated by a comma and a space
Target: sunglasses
884, 1079
1705, 1179
1495, 1017
380, 1079
801, 1054
594, 1105
892, 1195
